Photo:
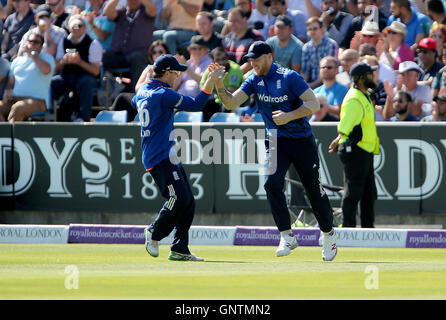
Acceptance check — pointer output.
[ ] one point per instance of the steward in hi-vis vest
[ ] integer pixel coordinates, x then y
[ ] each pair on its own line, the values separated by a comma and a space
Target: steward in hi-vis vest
356, 144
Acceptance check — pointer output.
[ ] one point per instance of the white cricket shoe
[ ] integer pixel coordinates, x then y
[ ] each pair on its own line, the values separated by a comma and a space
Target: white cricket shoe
287, 243
329, 249
151, 245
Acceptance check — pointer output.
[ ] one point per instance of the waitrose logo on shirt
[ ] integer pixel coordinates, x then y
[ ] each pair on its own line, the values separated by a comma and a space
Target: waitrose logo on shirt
265, 98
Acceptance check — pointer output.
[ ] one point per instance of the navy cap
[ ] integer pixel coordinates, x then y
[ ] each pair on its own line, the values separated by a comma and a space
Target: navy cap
360, 68
257, 49
168, 62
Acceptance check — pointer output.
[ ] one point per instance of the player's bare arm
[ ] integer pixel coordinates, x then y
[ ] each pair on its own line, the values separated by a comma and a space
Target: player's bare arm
214, 73
309, 106
229, 99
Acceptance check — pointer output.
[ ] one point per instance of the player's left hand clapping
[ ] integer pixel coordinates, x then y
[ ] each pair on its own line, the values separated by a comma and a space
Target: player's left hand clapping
280, 118
216, 71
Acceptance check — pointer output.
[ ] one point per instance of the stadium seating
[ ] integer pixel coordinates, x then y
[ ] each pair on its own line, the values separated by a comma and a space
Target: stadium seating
185, 116
112, 116
224, 117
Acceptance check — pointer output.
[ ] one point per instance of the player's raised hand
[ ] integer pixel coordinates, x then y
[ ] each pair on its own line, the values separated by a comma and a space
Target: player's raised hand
280, 118
216, 71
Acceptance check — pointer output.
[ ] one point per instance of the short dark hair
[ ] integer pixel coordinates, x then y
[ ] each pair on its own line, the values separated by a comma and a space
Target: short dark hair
406, 94
206, 14
402, 3
435, 6
218, 50
41, 38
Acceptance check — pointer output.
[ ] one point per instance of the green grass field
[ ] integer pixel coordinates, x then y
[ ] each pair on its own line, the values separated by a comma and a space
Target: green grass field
238, 272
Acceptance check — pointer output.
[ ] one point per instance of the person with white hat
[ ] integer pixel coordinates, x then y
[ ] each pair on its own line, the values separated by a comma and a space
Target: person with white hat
408, 81
391, 49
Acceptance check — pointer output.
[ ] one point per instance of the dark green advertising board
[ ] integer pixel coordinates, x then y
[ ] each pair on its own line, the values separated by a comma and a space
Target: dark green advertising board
97, 167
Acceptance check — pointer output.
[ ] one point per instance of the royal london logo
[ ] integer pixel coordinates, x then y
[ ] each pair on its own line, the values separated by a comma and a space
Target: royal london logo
265, 98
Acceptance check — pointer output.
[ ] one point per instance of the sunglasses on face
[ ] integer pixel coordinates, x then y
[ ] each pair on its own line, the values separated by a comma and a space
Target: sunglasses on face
54, 4
35, 42
399, 100
367, 36
424, 51
327, 67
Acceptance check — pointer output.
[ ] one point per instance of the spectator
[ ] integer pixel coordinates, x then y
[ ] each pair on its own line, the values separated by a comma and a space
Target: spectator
260, 18
232, 81
359, 22
60, 16
407, 81
427, 54
52, 34
378, 94
124, 100
131, 38
180, 18
368, 34
205, 27
314, 50
440, 78
435, 11
189, 82
277, 8
79, 67
98, 26
28, 87
439, 112
438, 33
286, 47
348, 58
75, 6
330, 88
237, 41
335, 21
417, 24
391, 49
401, 102
310, 8
322, 115
4, 71
16, 25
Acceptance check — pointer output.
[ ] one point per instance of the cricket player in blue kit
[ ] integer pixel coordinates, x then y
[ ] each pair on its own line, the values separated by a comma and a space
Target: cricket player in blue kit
285, 100
155, 102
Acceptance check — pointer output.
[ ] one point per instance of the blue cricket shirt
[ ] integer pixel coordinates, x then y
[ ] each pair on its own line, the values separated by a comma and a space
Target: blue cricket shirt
155, 102
279, 90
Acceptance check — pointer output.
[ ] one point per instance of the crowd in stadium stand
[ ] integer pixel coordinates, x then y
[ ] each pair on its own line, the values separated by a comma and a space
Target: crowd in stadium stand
89, 42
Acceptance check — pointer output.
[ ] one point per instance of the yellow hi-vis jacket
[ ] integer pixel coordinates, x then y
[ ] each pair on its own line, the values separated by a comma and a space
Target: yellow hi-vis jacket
357, 109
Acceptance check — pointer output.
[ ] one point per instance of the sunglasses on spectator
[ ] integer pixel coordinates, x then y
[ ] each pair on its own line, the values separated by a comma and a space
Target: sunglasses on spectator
399, 100
327, 67
35, 41
54, 4
367, 36
78, 26
423, 51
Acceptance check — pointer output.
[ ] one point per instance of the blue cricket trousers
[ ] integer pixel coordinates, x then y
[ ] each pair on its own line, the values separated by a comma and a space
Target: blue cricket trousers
302, 153
178, 211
